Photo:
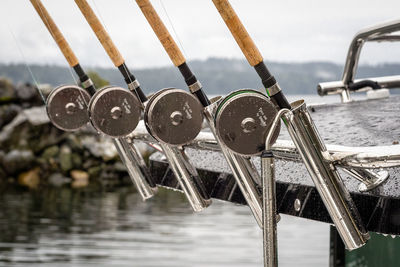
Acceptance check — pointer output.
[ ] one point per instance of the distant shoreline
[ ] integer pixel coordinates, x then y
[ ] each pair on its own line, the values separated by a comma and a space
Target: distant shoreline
218, 75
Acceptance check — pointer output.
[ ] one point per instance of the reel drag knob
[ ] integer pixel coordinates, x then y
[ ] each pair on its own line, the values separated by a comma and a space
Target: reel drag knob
174, 116
66, 107
243, 120
114, 111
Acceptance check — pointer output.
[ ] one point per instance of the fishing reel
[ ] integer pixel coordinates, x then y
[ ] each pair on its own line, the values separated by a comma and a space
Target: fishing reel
66, 107
173, 116
114, 111
243, 119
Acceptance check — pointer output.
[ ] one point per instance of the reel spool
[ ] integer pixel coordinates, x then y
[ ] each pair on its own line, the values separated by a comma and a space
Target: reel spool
114, 111
243, 120
173, 116
66, 107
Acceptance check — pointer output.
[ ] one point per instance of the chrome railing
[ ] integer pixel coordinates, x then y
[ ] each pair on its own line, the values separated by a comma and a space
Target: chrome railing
378, 33
338, 87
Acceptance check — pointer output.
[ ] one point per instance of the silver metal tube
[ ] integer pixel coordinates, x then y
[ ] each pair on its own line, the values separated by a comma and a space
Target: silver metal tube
369, 179
377, 33
187, 177
330, 186
183, 170
243, 170
337, 87
136, 167
270, 236
358, 41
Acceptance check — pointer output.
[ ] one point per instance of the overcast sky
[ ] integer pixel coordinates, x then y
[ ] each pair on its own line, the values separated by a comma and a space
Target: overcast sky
284, 30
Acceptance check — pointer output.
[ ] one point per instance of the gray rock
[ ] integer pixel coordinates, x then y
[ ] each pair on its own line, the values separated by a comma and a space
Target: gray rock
90, 162
7, 91
30, 130
76, 160
57, 179
37, 115
8, 113
8, 130
119, 166
74, 142
65, 158
94, 172
3, 174
100, 147
29, 93
50, 152
2, 155
18, 160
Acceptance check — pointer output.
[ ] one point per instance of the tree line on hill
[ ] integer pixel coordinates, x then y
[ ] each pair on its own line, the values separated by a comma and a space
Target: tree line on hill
218, 75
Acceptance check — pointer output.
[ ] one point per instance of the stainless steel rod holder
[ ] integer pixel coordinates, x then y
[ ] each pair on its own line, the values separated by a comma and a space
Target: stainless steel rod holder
136, 167
187, 177
243, 170
270, 215
330, 186
270, 235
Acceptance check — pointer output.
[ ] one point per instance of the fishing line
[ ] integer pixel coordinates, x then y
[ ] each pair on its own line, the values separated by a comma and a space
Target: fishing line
35, 81
73, 77
69, 67
105, 26
173, 28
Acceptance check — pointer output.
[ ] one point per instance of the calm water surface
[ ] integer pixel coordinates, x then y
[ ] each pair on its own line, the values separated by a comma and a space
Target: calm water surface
88, 227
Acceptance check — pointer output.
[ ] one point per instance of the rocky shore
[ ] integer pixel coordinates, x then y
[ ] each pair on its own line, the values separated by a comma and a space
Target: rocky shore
34, 153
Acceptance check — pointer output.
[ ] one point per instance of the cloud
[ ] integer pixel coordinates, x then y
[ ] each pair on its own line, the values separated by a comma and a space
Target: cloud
286, 30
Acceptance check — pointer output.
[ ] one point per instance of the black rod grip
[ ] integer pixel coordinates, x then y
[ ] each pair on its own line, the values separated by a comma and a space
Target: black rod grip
187, 74
128, 76
83, 77
191, 79
266, 77
268, 80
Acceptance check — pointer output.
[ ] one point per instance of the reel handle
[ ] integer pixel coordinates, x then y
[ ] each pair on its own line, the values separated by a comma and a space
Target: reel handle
162, 32
239, 32
55, 33
100, 32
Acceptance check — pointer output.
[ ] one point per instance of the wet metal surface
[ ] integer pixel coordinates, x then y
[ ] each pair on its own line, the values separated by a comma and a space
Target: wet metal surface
365, 123
359, 123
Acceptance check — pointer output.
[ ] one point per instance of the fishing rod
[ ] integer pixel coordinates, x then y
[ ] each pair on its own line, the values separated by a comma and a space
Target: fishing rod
172, 116
63, 106
242, 168
307, 140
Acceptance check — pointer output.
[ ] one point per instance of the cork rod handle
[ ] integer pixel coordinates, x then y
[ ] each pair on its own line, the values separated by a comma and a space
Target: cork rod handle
100, 32
161, 31
239, 32
55, 33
